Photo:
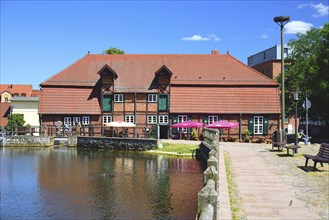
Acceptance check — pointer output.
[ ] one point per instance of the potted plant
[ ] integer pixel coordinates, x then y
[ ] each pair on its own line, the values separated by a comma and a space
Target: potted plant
246, 136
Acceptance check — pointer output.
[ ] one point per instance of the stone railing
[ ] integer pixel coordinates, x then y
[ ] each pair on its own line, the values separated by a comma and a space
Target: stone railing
117, 143
27, 140
208, 196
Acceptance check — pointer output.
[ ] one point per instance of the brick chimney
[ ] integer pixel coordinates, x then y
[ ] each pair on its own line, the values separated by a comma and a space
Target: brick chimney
214, 51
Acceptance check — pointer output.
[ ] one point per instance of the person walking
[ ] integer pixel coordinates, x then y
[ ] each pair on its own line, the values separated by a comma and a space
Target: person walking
303, 137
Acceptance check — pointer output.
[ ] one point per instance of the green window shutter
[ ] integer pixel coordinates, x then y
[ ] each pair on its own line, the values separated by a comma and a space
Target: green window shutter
107, 103
163, 103
205, 119
265, 125
174, 121
154, 132
251, 125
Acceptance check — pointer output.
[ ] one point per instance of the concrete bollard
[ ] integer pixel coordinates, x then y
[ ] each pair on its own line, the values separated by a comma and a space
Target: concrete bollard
208, 195
211, 173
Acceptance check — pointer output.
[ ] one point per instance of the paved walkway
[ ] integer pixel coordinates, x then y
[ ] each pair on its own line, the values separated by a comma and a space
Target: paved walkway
271, 185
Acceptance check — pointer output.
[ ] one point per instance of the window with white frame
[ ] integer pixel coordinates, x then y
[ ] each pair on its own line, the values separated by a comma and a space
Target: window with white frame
118, 97
85, 120
152, 97
130, 118
258, 124
76, 120
163, 119
107, 119
182, 118
67, 120
212, 119
151, 119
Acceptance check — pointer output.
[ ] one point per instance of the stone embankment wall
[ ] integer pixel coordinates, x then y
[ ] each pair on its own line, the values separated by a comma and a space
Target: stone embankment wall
28, 141
208, 196
117, 143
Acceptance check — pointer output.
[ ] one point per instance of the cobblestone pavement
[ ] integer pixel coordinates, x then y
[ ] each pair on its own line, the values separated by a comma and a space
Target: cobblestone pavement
272, 185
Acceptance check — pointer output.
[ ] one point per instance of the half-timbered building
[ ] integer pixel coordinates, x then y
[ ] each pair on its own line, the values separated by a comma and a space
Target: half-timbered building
154, 91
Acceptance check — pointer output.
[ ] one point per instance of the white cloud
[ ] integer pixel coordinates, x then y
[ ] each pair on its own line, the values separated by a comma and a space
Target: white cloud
213, 37
264, 36
197, 37
321, 10
295, 27
300, 6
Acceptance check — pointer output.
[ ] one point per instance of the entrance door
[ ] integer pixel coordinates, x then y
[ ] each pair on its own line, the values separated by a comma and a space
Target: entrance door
164, 131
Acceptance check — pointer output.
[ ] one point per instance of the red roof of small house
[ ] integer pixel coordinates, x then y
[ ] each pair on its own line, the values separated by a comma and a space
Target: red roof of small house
224, 100
16, 88
4, 112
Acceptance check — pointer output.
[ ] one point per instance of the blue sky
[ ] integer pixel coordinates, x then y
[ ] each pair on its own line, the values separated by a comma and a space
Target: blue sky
41, 38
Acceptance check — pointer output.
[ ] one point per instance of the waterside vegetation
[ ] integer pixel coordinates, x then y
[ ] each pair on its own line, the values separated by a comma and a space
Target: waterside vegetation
179, 149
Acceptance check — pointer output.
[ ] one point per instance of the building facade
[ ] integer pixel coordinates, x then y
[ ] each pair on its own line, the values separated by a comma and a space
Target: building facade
156, 91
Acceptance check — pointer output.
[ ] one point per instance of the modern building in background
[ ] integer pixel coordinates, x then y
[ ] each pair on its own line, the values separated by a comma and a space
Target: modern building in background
268, 62
157, 90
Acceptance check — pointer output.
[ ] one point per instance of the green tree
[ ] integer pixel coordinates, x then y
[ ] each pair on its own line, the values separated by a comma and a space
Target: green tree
113, 50
308, 72
15, 120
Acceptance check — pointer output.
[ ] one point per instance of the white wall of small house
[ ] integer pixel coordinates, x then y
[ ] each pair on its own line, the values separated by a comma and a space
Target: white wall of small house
29, 110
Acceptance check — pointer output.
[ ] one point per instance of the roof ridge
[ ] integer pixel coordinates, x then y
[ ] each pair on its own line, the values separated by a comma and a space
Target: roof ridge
74, 63
259, 73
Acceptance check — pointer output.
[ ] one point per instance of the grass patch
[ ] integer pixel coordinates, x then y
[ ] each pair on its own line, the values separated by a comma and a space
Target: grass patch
237, 212
179, 148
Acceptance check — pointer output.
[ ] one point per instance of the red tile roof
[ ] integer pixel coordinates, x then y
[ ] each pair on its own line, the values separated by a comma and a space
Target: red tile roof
224, 100
136, 72
242, 87
69, 101
4, 111
16, 88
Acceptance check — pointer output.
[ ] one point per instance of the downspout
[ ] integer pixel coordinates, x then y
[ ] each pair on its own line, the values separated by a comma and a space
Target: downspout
135, 99
240, 127
40, 124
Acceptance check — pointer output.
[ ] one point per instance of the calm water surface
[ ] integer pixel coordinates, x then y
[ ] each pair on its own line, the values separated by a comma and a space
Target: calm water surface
64, 183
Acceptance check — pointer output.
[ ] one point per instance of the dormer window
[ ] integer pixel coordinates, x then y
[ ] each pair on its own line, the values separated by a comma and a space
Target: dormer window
118, 97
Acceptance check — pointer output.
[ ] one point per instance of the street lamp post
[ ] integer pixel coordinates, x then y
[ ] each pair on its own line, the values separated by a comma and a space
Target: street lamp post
296, 127
282, 21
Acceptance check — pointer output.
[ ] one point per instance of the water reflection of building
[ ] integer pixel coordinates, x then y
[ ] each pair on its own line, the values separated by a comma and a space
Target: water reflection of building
121, 184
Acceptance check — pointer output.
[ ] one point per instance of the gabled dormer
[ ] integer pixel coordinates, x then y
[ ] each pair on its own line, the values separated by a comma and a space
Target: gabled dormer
108, 76
163, 76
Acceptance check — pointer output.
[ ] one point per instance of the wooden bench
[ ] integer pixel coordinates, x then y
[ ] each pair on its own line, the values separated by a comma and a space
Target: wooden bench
321, 157
279, 145
293, 148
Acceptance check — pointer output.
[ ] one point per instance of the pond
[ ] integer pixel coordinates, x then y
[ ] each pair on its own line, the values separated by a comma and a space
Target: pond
66, 183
